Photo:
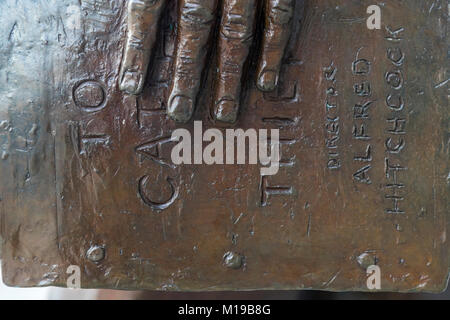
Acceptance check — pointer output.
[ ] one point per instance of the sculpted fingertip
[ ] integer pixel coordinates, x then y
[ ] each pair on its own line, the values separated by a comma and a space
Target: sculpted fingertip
226, 111
132, 82
267, 81
181, 109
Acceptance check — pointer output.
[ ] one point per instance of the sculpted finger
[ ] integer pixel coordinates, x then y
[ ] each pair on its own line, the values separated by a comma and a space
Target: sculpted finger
143, 18
276, 35
195, 24
236, 36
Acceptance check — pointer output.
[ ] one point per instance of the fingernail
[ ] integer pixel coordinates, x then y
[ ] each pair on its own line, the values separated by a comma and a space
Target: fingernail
267, 81
226, 111
181, 108
131, 82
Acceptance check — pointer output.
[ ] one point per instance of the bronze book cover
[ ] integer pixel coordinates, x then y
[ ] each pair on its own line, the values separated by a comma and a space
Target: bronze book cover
208, 145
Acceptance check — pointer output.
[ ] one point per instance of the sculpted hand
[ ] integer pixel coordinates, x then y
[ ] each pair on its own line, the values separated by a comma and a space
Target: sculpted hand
196, 21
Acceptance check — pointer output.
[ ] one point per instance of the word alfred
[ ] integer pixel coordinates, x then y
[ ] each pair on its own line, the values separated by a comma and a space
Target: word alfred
235, 140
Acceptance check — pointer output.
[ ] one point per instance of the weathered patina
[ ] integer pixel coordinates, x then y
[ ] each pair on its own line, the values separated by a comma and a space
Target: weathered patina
87, 178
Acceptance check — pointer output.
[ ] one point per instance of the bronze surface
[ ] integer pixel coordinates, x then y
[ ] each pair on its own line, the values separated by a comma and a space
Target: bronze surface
87, 178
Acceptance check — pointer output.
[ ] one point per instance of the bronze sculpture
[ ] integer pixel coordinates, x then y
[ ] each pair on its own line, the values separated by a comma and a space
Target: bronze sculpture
86, 173
195, 24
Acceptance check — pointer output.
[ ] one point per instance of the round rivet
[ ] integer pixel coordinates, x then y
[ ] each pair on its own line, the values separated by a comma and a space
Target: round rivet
96, 253
366, 260
232, 260
89, 94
